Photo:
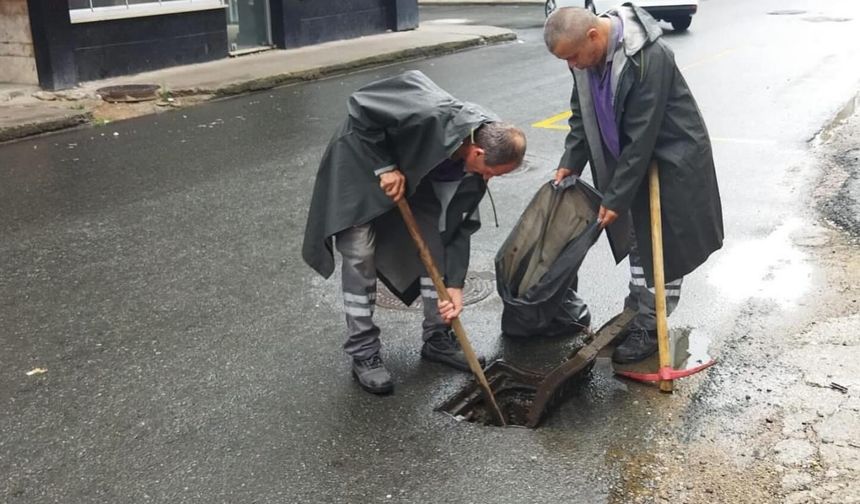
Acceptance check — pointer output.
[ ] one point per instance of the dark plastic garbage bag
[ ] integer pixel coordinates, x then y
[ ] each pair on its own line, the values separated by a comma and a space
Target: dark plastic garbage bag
536, 268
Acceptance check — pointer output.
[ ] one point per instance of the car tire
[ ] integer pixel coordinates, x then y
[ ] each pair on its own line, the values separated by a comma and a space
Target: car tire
589, 4
682, 23
548, 7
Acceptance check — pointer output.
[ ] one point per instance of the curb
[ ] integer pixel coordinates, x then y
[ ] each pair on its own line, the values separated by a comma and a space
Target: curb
20, 131
360, 64
271, 81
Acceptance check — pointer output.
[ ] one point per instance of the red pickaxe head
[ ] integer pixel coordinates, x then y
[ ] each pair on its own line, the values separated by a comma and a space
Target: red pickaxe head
665, 373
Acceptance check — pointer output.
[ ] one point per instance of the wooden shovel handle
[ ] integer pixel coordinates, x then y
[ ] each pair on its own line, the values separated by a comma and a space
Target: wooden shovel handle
442, 291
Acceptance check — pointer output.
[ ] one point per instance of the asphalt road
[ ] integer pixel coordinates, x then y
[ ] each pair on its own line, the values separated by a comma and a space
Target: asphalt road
152, 267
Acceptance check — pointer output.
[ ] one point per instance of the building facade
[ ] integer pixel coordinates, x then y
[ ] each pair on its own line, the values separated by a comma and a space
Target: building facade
59, 43
17, 59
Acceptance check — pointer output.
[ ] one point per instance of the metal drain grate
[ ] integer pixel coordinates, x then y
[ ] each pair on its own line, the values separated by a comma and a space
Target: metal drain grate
479, 285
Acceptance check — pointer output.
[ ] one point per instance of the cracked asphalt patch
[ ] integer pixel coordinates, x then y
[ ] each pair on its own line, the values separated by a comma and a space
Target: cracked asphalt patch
838, 191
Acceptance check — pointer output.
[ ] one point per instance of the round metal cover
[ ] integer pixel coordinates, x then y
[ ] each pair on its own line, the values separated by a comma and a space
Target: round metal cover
826, 19
786, 12
479, 285
530, 163
129, 93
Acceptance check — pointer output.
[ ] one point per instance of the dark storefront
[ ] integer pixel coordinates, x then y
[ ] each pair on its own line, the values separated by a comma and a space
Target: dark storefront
80, 40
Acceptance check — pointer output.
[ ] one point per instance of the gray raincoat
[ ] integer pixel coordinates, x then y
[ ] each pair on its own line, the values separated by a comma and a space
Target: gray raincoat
409, 122
658, 119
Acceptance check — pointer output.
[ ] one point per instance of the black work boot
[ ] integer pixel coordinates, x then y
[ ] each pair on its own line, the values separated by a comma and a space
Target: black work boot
444, 348
372, 375
639, 345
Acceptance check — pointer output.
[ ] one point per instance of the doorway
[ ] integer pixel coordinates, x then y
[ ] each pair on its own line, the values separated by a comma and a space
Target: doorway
248, 26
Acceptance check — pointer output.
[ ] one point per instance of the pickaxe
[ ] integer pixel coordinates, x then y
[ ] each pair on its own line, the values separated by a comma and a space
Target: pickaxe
666, 374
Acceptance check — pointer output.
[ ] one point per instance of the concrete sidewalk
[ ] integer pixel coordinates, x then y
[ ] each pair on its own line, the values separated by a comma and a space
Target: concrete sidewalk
24, 113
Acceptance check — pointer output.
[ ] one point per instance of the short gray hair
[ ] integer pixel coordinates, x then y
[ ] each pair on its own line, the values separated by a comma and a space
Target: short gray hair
502, 142
570, 23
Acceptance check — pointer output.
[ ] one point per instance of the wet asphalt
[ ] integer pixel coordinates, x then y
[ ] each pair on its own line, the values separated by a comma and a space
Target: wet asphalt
152, 267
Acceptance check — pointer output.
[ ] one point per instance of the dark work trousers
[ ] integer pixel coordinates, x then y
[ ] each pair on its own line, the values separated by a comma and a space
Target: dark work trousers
642, 299
357, 247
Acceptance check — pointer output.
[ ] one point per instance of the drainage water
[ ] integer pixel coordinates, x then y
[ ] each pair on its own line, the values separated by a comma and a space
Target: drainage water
514, 406
690, 348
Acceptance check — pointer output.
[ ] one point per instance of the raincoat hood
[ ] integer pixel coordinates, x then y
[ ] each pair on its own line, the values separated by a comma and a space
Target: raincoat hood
640, 28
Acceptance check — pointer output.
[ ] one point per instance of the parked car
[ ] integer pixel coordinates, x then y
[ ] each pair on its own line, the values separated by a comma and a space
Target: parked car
679, 13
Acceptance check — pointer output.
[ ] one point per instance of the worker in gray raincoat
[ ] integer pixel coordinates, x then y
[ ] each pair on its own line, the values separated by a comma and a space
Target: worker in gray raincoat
404, 137
630, 106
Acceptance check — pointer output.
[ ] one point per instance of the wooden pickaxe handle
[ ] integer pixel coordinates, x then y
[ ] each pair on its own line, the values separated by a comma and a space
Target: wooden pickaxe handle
665, 375
442, 291
659, 275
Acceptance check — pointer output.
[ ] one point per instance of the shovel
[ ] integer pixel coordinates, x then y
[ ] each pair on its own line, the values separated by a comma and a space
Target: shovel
430, 266
666, 374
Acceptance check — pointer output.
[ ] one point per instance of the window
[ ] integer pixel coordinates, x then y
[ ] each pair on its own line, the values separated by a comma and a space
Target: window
84, 11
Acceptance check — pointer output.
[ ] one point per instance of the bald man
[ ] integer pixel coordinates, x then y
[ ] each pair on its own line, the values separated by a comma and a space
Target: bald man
631, 106
404, 137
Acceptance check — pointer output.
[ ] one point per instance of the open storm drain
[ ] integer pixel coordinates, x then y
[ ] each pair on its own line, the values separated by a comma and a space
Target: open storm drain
479, 285
524, 396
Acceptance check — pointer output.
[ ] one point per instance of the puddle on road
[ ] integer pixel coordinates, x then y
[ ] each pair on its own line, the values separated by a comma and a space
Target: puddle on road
690, 348
769, 268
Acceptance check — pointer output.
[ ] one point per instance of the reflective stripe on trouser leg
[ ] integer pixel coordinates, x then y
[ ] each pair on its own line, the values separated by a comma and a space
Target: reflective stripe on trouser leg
642, 299
356, 246
425, 207
430, 299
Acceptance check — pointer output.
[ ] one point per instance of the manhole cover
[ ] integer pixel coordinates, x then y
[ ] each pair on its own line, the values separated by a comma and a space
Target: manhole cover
529, 165
826, 19
479, 285
786, 12
129, 93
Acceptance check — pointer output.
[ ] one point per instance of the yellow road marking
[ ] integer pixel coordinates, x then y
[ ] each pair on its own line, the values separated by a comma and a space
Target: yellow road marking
550, 122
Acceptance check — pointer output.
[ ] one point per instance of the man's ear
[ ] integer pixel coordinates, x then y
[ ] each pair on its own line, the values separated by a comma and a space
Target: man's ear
476, 151
592, 34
